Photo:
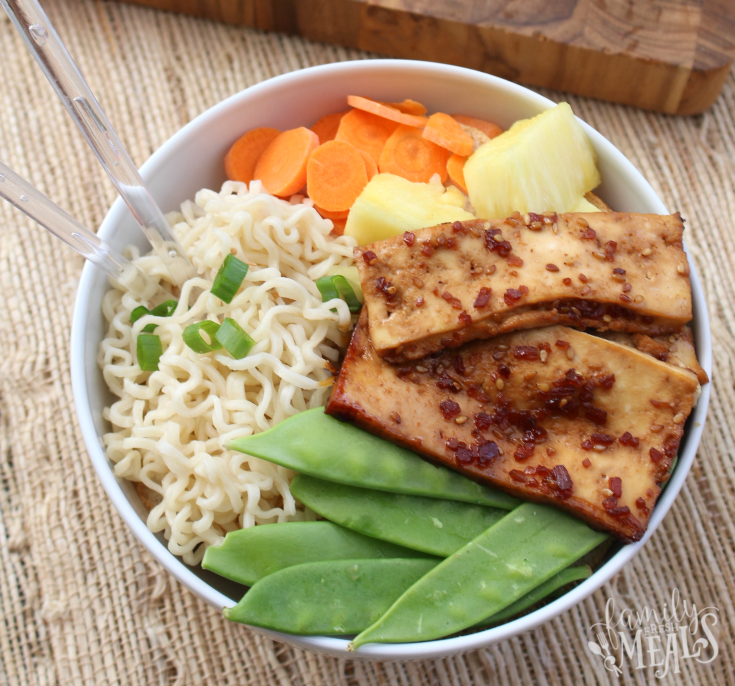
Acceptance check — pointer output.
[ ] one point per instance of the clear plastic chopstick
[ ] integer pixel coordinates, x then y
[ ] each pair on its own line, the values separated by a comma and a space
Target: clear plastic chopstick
44, 43
28, 199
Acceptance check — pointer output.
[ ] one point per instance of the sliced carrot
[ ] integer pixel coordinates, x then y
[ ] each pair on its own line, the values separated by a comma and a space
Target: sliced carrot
242, 157
408, 154
455, 168
370, 167
408, 107
385, 111
367, 132
488, 128
282, 166
326, 127
331, 215
339, 226
445, 131
335, 176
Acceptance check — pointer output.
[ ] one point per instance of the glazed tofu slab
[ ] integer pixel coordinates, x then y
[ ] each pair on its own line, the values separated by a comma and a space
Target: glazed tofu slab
551, 415
445, 285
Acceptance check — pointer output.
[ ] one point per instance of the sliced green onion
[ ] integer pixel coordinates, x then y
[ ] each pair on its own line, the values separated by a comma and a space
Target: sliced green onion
165, 309
149, 352
338, 287
229, 278
193, 337
234, 339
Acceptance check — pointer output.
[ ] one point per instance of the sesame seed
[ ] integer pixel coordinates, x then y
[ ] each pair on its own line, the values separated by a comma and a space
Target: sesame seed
563, 402
543, 355
681, 268
657, 428
544, 387
499, 384
638, 299
618, 277
586, 291
460, 420
529, 375
570, 353
606, 318
498, 238
679, 418
599, 448
526, 219
646, 252
606, 492
599, 255
421, 368
583, 223
391, 290
501, 451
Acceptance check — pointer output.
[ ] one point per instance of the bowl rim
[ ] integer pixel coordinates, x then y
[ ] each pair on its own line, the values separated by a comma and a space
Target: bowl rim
335, 645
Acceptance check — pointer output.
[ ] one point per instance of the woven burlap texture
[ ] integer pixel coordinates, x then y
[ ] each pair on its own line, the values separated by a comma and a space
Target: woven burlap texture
81, 602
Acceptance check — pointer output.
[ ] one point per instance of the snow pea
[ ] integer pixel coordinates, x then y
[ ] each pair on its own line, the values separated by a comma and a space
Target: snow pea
248, 555
522, 551
336, 597
566, 576
437, 527
314, 443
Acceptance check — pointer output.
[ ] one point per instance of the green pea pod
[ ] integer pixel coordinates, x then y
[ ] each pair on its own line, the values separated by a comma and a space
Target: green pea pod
522, 551
566, 576
327, 598
437, 527
248, 555
314, 443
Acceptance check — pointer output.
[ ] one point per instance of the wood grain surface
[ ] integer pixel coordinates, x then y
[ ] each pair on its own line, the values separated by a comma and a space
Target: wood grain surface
667, 55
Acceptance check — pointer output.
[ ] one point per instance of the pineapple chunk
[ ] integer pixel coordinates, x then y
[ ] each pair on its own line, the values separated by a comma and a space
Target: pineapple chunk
584, 205
543, 164
390, 205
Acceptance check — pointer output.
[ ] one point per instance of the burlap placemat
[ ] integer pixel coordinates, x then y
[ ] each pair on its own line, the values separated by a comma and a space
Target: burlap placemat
80, 601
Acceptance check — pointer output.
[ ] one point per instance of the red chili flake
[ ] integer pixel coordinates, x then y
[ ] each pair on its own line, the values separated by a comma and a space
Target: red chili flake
503, 248
409, 238
641, 504
551, 267
458, 364
441, 239
456, 303
395, 417
610, 248
457, 227
512, 296
476, 392
465, 318
504, 371
586, 462
656, 456
607, 381
550, 451
602, 439
518, 476
627, 288
540, 470
611, 507
420, 302
452, 444
427, 249
448, 383
526, 352
562, 478
619, 271
524, 451
562, 344
488, 452
583, 278
616, 486
574, 377
515, 261
628, 439
595, 415
483, 297
587, 444
533, 217
625, 298
588, 234
370, 257
567, 281
451, 242
464, 456
483, 421
449, 409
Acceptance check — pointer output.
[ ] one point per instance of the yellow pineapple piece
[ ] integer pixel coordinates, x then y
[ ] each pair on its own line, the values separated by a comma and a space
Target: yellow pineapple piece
390, 205
543, 164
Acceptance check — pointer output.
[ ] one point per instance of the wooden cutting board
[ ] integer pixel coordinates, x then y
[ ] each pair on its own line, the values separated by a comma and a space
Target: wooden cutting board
667, 55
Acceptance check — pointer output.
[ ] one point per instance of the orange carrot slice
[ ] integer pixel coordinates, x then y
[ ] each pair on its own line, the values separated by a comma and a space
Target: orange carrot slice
339, 226
335, 176
455, 168
408, 154
331, 215
370, 167
385, 111
408, 107
488, 128
242, 157
445, 131
367, 132
282, 166
326, 127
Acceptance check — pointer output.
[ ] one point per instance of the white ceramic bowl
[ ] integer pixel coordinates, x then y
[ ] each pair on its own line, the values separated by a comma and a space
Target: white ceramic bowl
193, 159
